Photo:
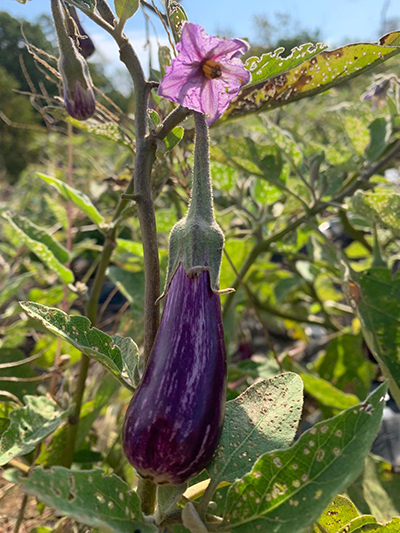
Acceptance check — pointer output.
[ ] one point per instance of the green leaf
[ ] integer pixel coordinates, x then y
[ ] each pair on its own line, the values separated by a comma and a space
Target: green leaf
364, 524
324, 70
272, 64
381, 488
176, 17
375, 296
380, 131
105, 130
42, 244
134, 248
89, 496
29, 425
125, 9
12, 287
164, 58
326, 394
339, 512
21, 387
288, 490
381, 206
265, 417
76, 197
94, 343
86, 5
173, 138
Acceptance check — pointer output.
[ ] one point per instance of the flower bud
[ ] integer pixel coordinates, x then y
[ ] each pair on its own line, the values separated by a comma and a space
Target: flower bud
85, 43
77, 83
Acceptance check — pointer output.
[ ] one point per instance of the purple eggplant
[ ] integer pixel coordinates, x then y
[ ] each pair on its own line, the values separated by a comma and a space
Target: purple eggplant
86, 46
174, 421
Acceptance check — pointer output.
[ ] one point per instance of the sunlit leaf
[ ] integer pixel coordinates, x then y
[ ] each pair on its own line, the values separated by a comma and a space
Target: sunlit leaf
91, 341
125, 9
42, 244
301, 481
380, 206
322, 71
78, 198
89, 496
326, 394
339, 513
29, 425
176, 17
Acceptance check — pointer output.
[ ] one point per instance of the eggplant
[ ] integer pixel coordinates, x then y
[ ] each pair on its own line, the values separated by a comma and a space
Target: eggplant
86, 46
175, 418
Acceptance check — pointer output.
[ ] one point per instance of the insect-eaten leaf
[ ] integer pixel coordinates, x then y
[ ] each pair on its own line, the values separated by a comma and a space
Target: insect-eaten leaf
277, 81
29, 425
301, 480
89, 496
119, 355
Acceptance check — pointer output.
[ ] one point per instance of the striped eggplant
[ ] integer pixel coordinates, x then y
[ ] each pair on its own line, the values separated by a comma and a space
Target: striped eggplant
174, 421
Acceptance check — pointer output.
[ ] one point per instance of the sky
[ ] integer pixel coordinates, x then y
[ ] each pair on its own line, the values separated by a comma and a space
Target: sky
339, 21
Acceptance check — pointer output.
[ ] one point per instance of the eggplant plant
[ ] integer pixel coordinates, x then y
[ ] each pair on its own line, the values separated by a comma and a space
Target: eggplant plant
184, 430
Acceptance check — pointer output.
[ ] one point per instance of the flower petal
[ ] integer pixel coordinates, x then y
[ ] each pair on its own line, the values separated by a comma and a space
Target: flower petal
195, 43
210, 101
234, 74
229, 48
173, 85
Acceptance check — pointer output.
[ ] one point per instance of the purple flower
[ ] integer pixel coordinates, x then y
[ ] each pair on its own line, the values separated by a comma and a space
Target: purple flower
79, 101
207, 74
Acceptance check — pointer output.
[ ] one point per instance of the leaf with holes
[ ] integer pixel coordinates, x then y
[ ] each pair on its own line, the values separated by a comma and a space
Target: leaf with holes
264, 418
29, 425
176, 18
105, 130
316, 74
42, 244
88, 496
339, 513
76, 197
118, 355
374, 295
301, 481
272, 64
125, 9
381, 206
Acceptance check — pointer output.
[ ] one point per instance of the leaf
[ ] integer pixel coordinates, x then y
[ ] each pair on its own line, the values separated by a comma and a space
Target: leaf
125, 9
380, 206
12, 287
326, 394
105, 130
173, 138
176, 17
380, 131
272, 64
78, 198
375, 297
381, 488
89, 496
300, 481
13, 355
94, 343
134, 248
29, 425
86, 5
191, 519
324, 70
42, 244
371, 526
264, 418
339, 513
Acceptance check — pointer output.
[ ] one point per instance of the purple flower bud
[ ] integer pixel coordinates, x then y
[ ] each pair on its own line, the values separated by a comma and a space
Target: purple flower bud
86, 46
80, 103
174, 421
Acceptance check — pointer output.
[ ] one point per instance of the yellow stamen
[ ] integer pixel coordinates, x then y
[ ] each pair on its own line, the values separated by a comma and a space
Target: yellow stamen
212, 69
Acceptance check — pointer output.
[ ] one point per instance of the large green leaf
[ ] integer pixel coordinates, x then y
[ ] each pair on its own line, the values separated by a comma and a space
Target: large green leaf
120, 356
322, 71
80, 199
29, 425
42, 244
375, 296
89, 496
339, 513
264, 418
287, 490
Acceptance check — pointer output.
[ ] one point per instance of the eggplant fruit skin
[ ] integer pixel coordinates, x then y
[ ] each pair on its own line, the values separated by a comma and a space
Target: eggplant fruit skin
175, 418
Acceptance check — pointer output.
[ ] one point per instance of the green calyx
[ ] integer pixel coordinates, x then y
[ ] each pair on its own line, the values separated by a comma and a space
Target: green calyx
196, 240
73, 67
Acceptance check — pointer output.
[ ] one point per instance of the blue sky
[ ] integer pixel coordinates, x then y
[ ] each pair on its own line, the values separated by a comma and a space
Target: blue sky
339, 21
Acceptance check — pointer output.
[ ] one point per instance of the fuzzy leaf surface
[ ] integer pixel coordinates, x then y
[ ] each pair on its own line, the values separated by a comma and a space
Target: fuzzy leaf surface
264, 418
89, 496
301, 481
29, 425
117, 354
78, 198
125, 9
